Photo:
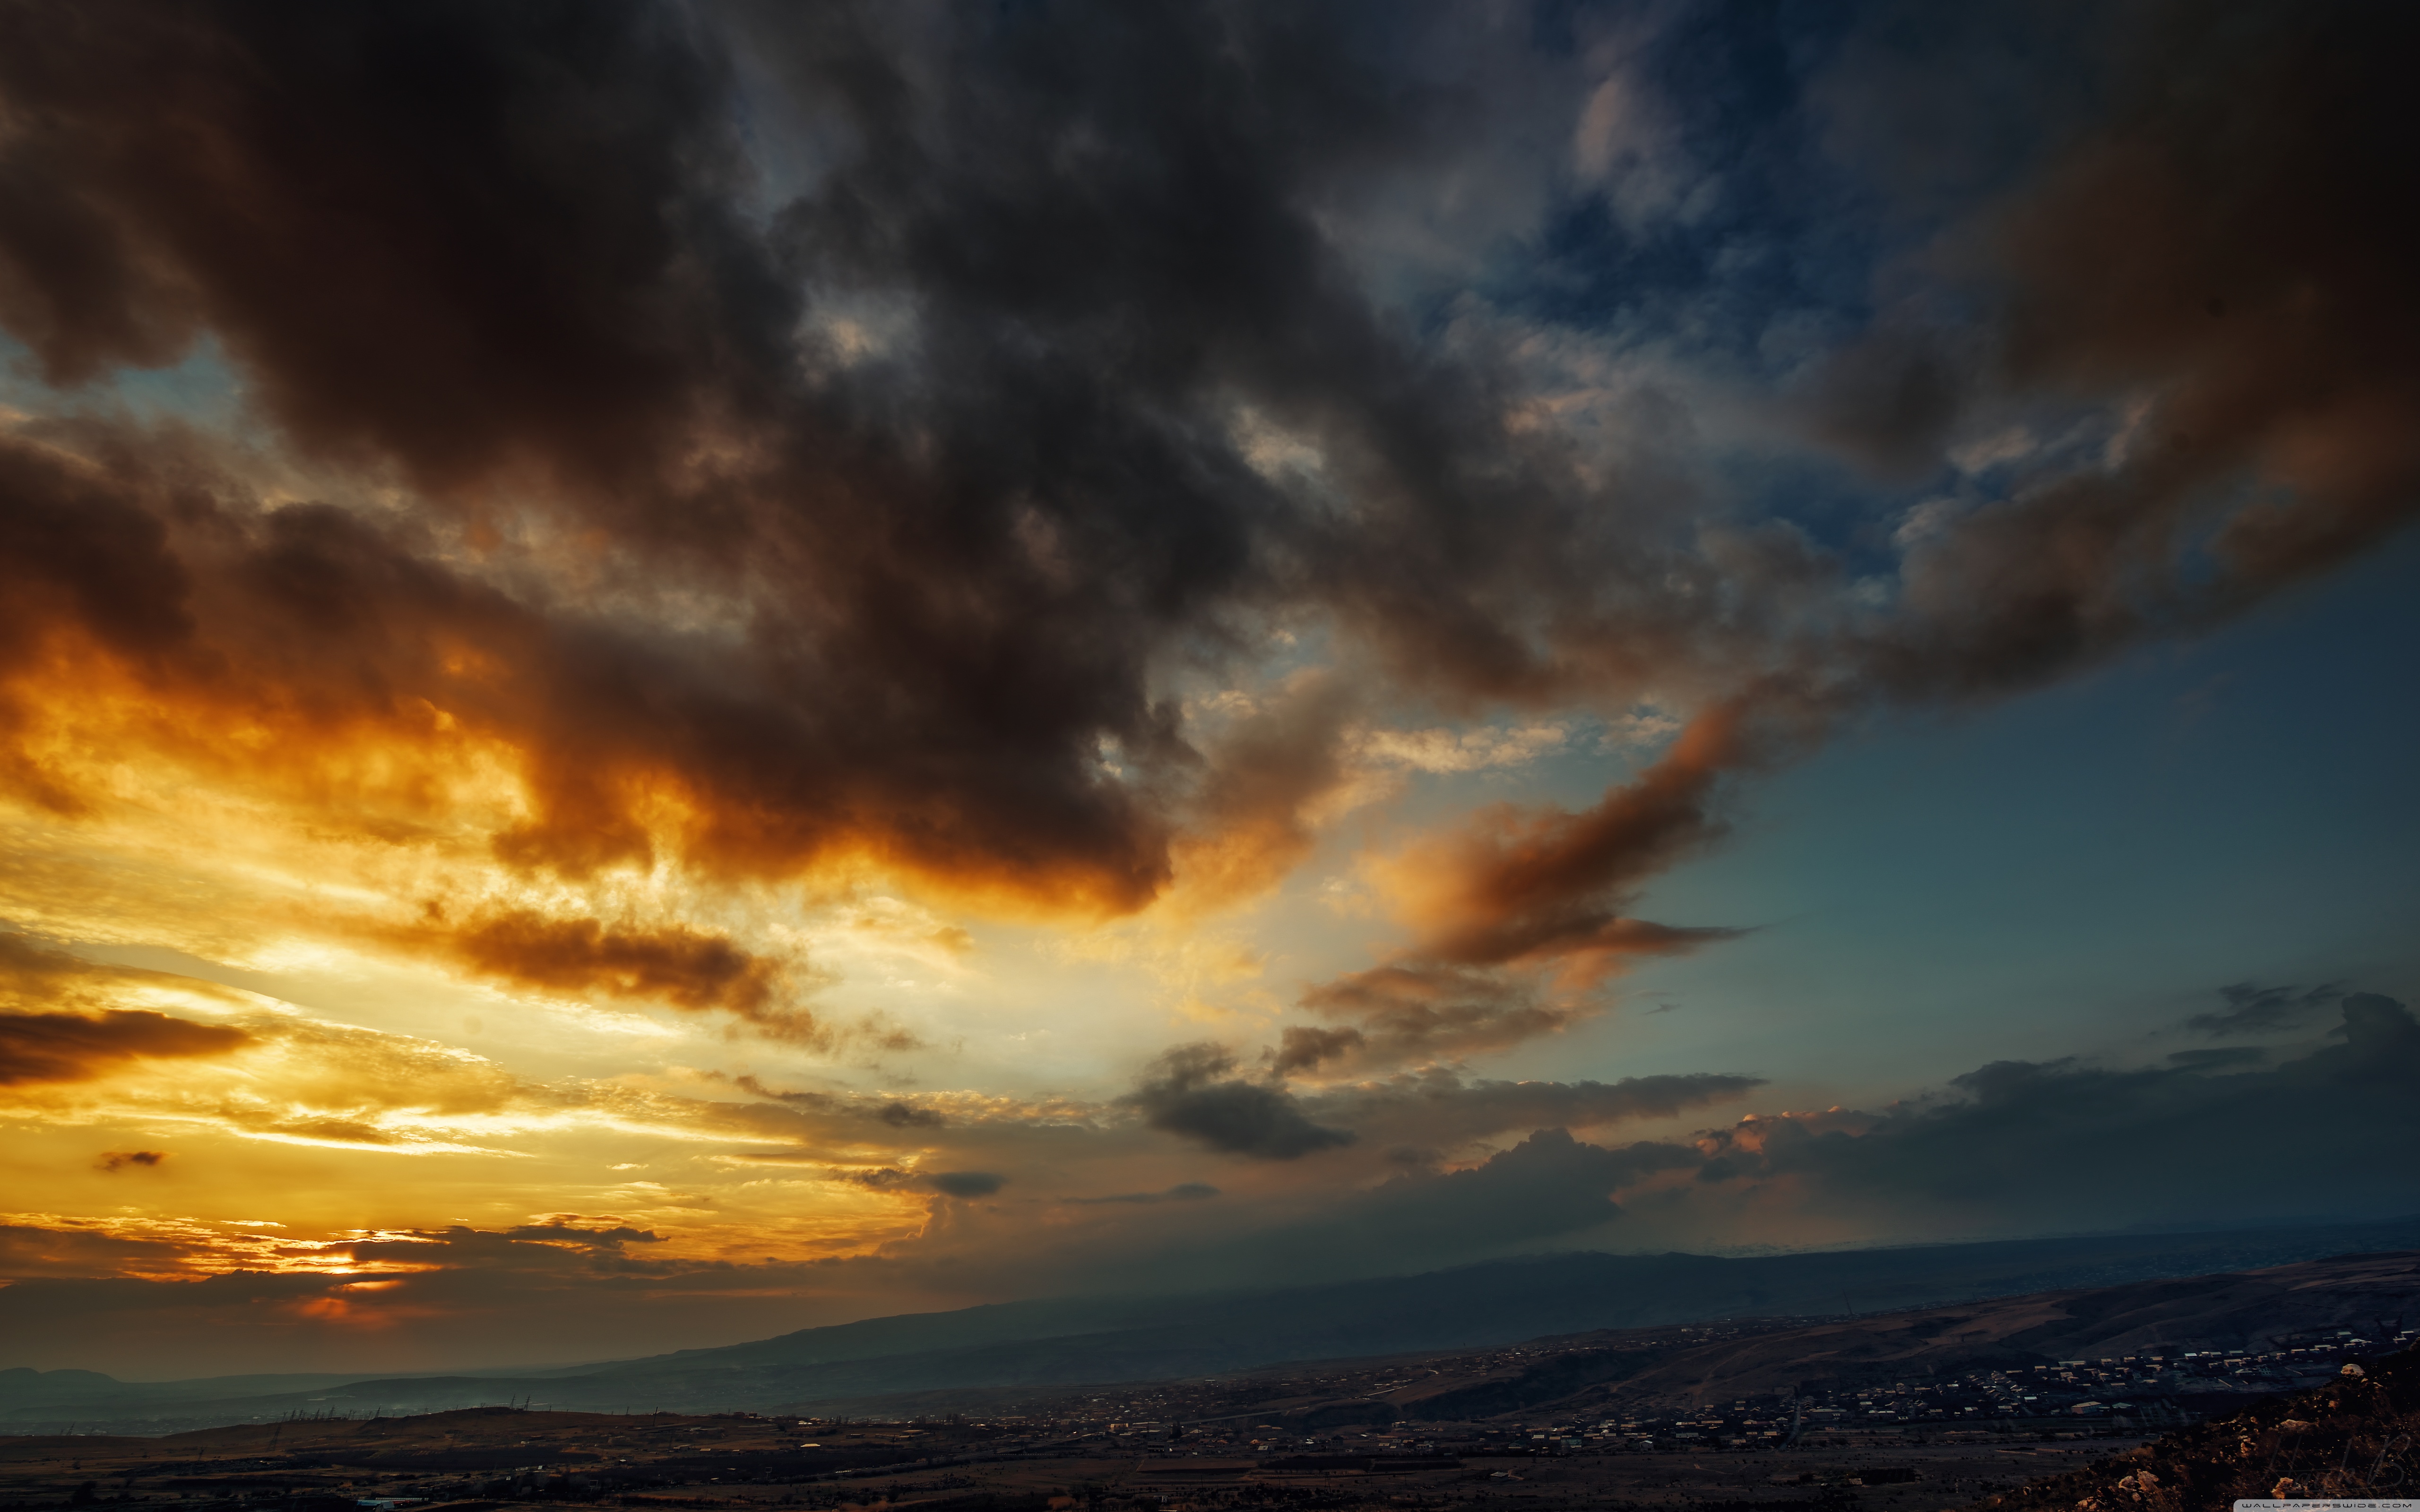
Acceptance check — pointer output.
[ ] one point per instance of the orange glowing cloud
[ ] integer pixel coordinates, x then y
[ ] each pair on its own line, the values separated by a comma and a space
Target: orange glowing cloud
1518, 915
1527, 885
673, 963
57, 1028
72, 1047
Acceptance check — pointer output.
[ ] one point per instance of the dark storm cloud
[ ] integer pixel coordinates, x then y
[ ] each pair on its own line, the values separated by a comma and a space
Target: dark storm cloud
2252, 1009
455, 234
473, 241
539, 254
2211, 258
118, 1159
1190, 1092
2061, 1141
2214, 244
2012, 1146
1436, 1108
1549, 1186
338, 634
935, 357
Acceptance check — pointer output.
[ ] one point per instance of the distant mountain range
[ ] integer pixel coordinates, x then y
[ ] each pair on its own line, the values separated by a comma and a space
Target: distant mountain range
1082, 1341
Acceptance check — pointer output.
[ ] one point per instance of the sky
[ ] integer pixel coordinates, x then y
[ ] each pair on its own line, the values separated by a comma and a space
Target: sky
670, 672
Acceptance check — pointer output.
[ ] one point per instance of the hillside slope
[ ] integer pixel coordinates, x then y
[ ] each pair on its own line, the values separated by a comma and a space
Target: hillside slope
2355, 1437
1073, 1341
2243, 1310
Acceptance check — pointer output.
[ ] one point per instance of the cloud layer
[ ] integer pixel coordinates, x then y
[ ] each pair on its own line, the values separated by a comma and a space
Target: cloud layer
634, 540
821, 1207
952, 509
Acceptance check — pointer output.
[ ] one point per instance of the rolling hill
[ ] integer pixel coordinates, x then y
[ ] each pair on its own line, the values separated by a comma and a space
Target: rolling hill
1076, 1340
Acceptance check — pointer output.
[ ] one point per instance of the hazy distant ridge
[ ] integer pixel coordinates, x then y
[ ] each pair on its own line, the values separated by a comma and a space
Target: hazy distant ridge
1079, 1340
